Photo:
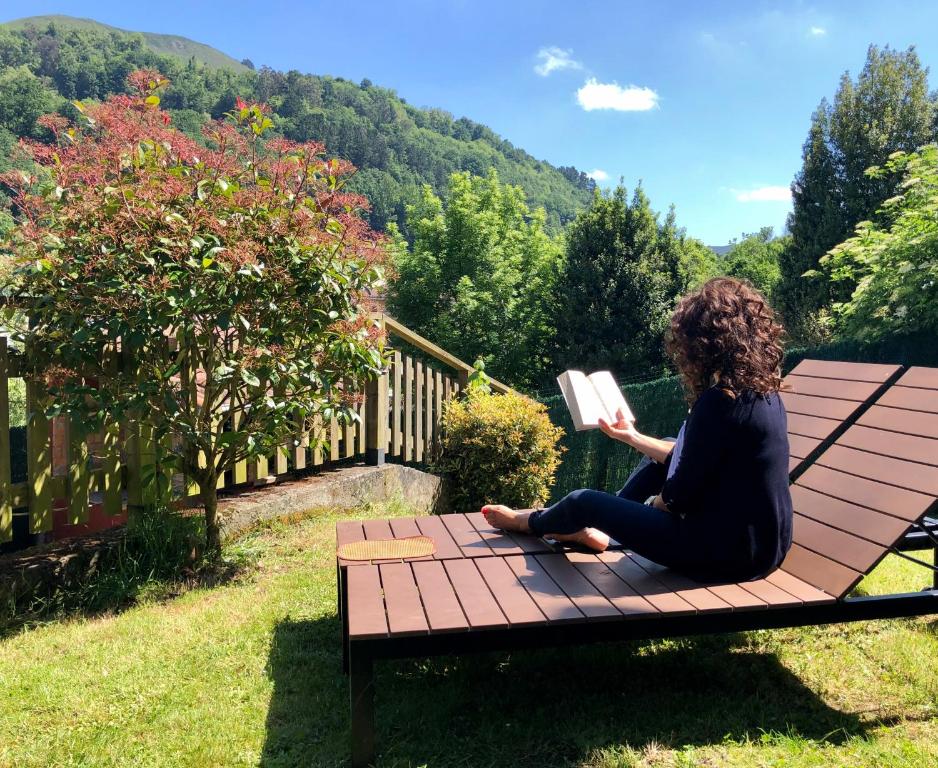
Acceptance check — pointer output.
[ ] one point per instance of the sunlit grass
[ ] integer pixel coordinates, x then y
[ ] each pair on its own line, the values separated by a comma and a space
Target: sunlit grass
248, 673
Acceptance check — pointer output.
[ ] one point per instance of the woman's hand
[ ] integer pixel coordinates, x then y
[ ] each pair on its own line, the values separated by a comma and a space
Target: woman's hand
620, 429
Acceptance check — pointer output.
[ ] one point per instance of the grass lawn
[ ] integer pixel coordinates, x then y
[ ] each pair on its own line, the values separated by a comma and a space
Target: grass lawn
248, 673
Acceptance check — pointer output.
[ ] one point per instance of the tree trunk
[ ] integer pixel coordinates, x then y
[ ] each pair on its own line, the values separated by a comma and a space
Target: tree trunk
209, 495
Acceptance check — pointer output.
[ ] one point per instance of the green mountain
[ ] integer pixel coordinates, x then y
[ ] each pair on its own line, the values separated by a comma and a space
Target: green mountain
47, 61
167, 45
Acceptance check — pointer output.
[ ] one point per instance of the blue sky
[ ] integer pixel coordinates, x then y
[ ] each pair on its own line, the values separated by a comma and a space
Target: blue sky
707, 103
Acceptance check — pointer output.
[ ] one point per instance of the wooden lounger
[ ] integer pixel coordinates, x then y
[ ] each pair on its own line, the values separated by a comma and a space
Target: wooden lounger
870, 478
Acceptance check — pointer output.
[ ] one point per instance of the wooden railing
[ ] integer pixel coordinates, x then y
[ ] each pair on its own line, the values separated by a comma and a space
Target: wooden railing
77, 482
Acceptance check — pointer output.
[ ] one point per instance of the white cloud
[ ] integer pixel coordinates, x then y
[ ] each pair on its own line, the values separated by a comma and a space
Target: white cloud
595, 95
817, 32
598, 175
552, 59
773, 194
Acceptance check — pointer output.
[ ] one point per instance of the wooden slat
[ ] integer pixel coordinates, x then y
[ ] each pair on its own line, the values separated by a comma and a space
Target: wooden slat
913, 399
428, 398
898, 502
6, 482
440, 602
825, 407
335, 437
793, 462
402, 600
908, 447
811, 426
842, 547
626, 600
800, 446
437, 409
773, 596
696, 594
737, 597
820, 571
418, 411
397, 405
901, 420
408, 415
499, 541
868, 523
838, 389
876, 372
662, 598
79, 473
588, 600
38, 462
377, 529
317, 439
433, 527
346, 532
529, 543
402, 527
916, 376
512, 598
366, 613
897, 472
470, 541
798, 588
478, 604
556, 606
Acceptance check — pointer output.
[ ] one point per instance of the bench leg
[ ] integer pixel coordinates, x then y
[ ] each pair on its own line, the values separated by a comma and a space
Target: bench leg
342, 599
934, 576
362, 703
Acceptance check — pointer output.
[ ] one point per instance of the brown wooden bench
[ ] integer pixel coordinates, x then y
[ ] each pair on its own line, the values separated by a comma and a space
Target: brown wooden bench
857, 492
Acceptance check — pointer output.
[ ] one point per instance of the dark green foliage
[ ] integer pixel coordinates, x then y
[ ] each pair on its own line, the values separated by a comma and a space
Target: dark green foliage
497, 449
398, 147
622, 274
885, 110
476, 274
756, 258
23, 98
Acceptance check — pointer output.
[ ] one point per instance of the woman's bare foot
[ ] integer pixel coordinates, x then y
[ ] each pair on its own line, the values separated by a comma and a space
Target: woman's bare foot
588, 537
507, 519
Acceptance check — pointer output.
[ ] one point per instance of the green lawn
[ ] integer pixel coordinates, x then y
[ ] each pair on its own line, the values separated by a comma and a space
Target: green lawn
247, 673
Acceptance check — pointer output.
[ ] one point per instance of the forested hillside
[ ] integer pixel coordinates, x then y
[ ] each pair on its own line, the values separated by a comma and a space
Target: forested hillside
397, 147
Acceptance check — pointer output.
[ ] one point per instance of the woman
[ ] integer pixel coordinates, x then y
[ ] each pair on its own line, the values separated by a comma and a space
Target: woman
721, 509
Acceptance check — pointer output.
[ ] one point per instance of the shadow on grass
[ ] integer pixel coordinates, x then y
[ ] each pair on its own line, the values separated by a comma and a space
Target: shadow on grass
546, 707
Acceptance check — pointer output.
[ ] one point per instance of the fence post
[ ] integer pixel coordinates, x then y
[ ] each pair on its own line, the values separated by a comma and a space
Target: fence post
376, 415
376, 419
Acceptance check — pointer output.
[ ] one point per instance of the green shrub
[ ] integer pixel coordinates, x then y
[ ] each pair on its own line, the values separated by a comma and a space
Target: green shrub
498, 448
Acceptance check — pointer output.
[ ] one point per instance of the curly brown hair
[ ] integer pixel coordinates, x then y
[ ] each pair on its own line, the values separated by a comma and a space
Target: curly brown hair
726, 334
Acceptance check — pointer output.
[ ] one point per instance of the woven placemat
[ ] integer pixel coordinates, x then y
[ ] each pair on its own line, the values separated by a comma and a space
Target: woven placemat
387, 549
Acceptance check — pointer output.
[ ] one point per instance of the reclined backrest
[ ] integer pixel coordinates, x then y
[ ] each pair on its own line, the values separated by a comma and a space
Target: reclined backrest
821, 396
861, 495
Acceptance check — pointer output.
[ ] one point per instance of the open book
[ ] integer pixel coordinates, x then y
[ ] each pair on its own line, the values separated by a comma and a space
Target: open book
591, 397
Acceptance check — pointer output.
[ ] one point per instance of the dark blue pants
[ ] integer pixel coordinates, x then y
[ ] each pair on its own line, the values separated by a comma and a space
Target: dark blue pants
646, 530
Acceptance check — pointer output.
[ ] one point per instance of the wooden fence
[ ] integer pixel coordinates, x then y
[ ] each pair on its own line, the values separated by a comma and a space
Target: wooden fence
73, 480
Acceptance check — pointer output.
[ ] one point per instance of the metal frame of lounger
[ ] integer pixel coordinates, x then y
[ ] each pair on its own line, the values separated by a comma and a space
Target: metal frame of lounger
821, 581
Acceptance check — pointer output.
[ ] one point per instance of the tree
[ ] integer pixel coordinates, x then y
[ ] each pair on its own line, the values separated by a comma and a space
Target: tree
620, 278
476, 277
227, 277
23, 98
892, 263
886, 110
756, 258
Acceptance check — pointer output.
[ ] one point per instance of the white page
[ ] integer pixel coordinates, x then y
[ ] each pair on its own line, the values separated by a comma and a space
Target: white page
610, 395
582, 400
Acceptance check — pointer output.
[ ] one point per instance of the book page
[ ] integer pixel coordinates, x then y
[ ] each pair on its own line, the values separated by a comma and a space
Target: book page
610, 396
582, 400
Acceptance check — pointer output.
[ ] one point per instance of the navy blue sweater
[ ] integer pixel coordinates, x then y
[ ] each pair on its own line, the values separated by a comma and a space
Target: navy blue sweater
730, 486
